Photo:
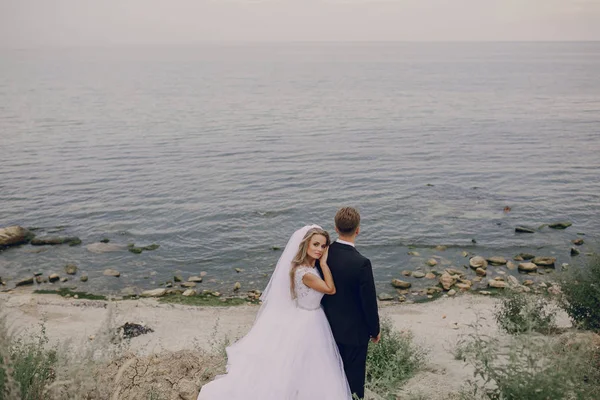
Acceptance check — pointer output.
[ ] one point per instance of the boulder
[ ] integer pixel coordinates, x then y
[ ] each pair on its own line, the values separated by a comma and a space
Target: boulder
511, 265
14, 235
463, 286
177, 278
406, 272
189, 292
196, 279
430, 275
400, 284
578, 242
84, 278
524, 256
544, 261
496, 260
447, 281
414, 253
53, 277
481, 272
528, 267
237, 286
451, 292
154, 293
574, 251
478, 262
111, 272
188, 284
418, 274
25, 281
441, 248
432, 262
560, 225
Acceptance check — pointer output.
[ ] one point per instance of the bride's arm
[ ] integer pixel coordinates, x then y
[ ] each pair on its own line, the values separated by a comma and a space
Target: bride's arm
325, 285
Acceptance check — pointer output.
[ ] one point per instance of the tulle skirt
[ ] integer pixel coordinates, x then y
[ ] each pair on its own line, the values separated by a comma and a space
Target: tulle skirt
291, 357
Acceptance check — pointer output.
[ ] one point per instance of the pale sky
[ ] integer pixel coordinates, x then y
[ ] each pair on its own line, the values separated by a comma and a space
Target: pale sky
34, 23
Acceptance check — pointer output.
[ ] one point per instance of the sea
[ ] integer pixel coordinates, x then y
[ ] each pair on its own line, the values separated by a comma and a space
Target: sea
219, 152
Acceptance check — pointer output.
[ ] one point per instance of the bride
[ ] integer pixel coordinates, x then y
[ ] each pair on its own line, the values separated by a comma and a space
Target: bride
290, 353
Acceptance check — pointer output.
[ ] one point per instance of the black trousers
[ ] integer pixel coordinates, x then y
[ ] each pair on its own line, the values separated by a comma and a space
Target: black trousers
355, 362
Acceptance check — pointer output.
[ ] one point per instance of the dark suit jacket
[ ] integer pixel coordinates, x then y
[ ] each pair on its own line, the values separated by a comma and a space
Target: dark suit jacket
352, 310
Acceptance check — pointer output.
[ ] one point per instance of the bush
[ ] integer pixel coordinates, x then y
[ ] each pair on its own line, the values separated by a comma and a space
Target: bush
392, 361
532, 367
581, 295
27, 365
519, 313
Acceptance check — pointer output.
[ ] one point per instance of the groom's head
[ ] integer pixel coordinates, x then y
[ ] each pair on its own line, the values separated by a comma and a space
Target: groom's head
347, 222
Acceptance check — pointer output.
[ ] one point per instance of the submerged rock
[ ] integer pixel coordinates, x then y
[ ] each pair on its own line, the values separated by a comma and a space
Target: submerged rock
524, 229
385, 297
560, 225
578, 242
100, 248
544, 261
111, 272
71, 269
56, 240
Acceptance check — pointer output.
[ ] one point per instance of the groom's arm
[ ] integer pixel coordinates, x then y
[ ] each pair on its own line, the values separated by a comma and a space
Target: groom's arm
368, 298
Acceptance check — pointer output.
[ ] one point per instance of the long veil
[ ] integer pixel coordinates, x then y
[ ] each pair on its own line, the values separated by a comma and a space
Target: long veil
276, 297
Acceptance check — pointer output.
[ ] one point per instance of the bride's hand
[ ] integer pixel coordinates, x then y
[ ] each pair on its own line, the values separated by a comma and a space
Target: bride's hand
323, 259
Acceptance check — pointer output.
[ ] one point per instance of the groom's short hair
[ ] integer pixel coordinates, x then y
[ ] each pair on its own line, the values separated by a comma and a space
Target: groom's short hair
347, 220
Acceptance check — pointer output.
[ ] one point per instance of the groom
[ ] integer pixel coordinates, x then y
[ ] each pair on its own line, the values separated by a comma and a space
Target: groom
352, 311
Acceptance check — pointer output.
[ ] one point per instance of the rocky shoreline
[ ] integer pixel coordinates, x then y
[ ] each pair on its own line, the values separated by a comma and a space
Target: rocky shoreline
430, 276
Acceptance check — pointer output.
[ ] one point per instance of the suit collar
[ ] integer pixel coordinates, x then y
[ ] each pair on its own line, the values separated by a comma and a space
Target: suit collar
343, 246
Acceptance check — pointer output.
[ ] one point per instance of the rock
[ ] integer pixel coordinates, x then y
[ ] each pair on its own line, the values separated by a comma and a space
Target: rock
53, 277
71, 269
527, 267
578, 242
99, 248
189, 292
84, 278
560, 225
237, 286
528, 282
197, 279
401, 299
497, 260
25, 281
14, 235
478, 262
544, 261
188, 284
105, 240
524, 256
481, 272
432, 262
111, 272
454, 271
418, 274
511, 265
518, 258
406, 273
154, 293
64, 279
485, 292
441, 248
430, 275
385, 297
574, 251
524, 229
186, 389
178, 278
463, 286
238, 270
55, 240
203, 273
397, 283
497, 284
513, 281
447, 281
451, 292
414, 253
555, 290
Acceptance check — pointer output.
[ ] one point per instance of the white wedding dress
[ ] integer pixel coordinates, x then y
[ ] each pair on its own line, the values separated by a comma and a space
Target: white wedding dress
289, 354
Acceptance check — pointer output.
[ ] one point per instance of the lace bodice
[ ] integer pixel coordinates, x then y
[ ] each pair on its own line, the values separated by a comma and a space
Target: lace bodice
306, 298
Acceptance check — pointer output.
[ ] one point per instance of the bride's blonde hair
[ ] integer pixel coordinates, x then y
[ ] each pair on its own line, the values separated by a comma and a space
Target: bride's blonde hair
301, 255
